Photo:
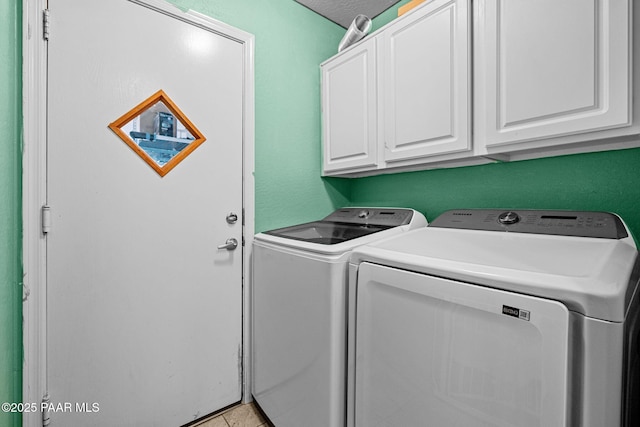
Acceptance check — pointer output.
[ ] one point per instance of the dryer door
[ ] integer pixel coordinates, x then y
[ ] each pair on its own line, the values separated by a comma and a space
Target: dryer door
432, 351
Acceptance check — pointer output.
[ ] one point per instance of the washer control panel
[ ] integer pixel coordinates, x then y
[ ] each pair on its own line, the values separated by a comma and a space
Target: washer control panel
564, 223
391, 217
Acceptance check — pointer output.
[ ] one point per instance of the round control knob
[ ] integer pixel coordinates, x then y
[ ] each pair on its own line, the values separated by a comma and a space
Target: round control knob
508, 218
364, 214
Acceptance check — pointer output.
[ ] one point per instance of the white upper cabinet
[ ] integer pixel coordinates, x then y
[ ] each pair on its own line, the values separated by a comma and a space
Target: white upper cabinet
549, 68
460, 82
349, 110
425, 73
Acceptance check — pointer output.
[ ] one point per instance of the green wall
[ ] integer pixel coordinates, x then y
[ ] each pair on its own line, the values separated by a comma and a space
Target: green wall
608, 181
10, 210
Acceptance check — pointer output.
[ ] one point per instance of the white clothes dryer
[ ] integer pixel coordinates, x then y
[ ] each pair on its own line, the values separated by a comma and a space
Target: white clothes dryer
299, 316
492, 318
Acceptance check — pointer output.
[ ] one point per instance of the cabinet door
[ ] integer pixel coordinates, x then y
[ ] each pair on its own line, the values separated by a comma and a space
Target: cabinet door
349, 110
549, 68
426, 82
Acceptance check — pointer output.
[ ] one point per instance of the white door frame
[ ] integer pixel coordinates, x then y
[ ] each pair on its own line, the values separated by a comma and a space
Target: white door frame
34, 190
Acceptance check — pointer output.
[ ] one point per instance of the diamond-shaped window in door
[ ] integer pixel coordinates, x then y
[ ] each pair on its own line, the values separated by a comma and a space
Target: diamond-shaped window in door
158, 132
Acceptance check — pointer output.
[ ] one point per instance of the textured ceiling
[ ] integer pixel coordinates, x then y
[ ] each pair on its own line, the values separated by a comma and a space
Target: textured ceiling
342, 12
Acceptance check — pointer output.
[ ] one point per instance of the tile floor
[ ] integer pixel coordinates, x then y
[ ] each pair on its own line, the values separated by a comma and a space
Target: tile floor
238, 416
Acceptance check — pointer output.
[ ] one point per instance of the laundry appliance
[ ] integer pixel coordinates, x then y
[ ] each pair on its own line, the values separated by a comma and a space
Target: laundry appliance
299, 317
491, 318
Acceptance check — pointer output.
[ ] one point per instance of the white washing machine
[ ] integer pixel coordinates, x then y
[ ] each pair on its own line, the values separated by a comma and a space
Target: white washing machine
492, 318
299, 313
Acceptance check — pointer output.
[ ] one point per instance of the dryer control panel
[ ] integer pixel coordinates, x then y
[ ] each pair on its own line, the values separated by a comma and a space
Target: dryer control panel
563, 223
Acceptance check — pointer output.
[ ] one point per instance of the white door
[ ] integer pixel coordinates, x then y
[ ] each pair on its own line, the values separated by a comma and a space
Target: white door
432, 351
144, 311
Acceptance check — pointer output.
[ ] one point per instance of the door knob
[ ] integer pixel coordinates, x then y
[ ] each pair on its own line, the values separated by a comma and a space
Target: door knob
230, 245
232, 218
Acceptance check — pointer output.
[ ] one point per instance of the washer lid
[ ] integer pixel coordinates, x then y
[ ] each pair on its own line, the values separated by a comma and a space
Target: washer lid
345, 229
592, 276
326, 233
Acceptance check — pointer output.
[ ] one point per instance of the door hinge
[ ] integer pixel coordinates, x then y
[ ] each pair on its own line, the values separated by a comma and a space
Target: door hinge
45, 24
44, 406
46, 219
